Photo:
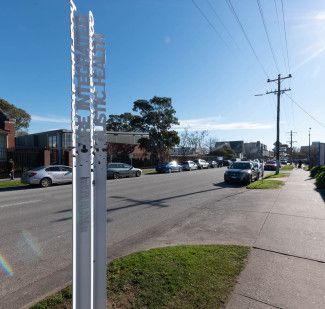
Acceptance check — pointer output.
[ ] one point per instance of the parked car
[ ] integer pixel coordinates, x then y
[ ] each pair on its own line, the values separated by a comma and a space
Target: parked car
270, 165
283, 162
188, 166
120, 170
241, 171
169, 167
259, 168
226, 163
219, 163
45, 176
212, 163
201, 164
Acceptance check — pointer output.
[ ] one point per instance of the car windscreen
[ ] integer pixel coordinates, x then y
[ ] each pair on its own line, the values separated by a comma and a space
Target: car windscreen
240, 166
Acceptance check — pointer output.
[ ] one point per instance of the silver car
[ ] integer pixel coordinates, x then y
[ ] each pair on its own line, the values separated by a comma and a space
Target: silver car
188, 166
45, 176
119, 170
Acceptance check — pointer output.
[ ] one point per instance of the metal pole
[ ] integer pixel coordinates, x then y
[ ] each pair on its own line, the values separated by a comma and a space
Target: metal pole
309, 156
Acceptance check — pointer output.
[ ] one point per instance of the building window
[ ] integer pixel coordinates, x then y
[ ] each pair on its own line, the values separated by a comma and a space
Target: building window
52, 141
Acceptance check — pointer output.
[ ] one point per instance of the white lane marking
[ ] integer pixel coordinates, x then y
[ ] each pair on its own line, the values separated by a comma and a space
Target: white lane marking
19, 203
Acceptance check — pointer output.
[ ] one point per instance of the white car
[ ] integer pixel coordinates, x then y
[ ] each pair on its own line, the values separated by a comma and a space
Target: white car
45, 176
201, 163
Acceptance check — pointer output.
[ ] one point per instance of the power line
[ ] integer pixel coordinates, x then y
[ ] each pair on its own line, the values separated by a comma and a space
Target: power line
285, 34
233, 11
267, 34
311, 116
209, 22
278, 21
221, 22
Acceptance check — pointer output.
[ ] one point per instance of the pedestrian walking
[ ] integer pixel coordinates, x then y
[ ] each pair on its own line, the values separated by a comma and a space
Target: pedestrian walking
11, 169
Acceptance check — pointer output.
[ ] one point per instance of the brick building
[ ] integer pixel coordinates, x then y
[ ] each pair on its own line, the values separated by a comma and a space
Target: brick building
7, 135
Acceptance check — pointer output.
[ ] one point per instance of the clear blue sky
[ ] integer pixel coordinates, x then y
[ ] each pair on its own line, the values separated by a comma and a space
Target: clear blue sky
166, 48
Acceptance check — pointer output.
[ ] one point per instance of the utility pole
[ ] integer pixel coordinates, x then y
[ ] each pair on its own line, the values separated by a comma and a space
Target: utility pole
291, 142
309, 163
278, 92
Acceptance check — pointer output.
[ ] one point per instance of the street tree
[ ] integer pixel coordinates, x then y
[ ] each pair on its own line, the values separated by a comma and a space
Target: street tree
224, 151
197, 141
125, 122
185, 142
158, 117
155, 116
21, 116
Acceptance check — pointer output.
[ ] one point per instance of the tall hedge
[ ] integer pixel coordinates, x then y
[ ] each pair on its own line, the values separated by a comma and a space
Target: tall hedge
320, 180
316, 170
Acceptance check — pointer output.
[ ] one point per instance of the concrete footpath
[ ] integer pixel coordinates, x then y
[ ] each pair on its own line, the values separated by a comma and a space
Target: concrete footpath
286, 267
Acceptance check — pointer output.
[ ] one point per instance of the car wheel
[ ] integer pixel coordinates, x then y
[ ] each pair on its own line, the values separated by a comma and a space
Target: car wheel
169, 170
115, 175
45, 182
138, 174
249, 180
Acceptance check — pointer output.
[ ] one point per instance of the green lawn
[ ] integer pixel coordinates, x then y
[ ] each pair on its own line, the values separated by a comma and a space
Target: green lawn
200, 276
266, 184
287, 168
147, 171
11, 183
273, 175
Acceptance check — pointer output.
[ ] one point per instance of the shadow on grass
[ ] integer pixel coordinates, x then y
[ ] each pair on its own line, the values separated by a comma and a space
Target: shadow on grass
18, 188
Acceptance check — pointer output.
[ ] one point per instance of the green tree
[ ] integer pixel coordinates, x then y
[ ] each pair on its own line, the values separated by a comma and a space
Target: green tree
155, 116
21, 116
125, 122
224, 151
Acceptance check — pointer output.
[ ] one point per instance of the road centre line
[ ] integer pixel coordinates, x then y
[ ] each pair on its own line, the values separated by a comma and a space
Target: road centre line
20, 203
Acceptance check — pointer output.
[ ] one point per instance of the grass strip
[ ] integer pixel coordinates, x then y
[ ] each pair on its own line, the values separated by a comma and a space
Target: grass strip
149, 171
199, 276
11, 183
266, 184
286, 168
273, 175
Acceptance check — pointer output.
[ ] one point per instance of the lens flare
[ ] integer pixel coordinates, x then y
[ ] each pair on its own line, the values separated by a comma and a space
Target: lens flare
5, 266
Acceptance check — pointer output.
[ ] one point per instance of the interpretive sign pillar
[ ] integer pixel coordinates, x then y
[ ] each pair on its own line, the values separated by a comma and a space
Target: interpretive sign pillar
89, 162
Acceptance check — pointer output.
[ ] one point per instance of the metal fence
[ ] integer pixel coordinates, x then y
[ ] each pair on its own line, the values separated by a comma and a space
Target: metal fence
24, 159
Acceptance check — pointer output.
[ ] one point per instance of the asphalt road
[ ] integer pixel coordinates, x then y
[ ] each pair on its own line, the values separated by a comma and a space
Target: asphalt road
153, 210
